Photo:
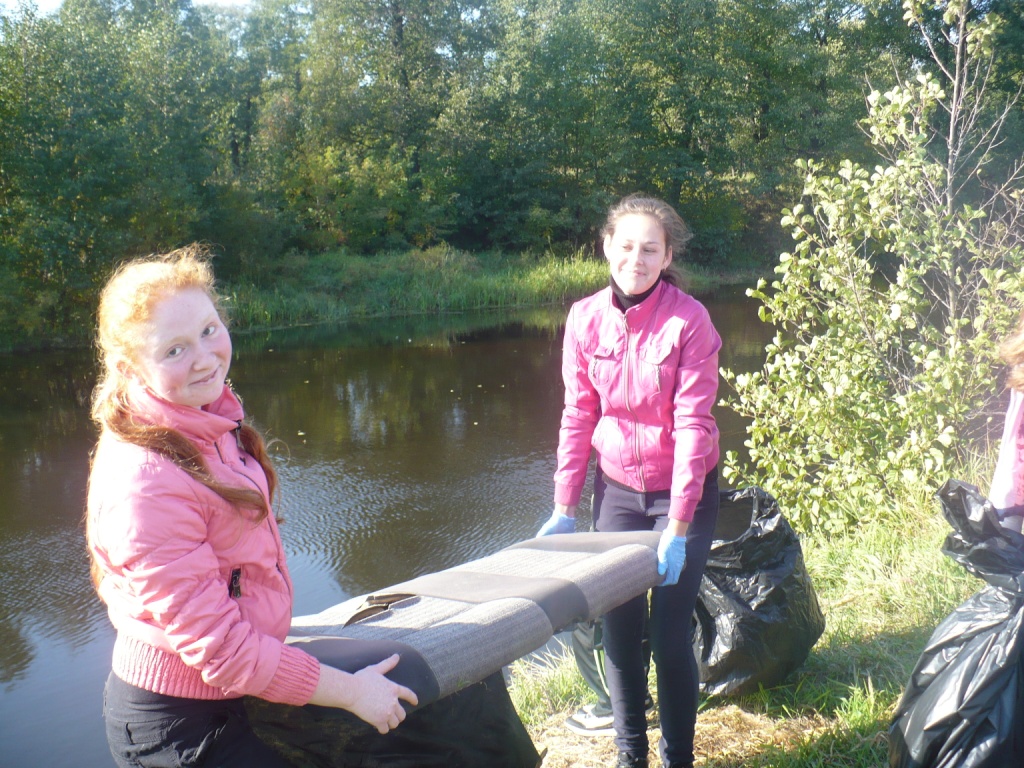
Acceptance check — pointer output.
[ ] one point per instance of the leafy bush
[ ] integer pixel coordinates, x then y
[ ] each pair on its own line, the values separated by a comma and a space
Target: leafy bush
903, 281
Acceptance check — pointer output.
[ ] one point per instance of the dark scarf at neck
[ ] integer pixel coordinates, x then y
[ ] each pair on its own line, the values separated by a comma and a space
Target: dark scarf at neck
623, 300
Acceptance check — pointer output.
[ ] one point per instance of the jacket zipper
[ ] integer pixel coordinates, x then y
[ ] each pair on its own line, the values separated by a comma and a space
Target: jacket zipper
237, 472
627, 382
238, 441
256, 485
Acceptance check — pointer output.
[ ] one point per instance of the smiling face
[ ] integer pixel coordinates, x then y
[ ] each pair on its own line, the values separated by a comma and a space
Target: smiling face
185, 350
637, 252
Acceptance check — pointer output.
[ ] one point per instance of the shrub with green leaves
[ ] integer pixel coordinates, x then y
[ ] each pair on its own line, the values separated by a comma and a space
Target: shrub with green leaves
903, 281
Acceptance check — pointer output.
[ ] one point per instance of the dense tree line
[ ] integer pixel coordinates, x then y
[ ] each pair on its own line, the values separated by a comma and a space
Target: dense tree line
132, 126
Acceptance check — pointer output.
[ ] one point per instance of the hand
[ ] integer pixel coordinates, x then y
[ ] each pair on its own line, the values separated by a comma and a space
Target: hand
367, 694
671, 557
557, 523
380, 700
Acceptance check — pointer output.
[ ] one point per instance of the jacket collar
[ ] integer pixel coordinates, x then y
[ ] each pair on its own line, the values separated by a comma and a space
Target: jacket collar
205, 424
624, 300
637, 315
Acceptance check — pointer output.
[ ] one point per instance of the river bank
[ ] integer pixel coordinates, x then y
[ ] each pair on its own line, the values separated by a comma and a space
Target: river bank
338, 287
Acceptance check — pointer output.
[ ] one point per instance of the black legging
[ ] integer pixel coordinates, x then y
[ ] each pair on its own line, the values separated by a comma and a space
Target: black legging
671, 624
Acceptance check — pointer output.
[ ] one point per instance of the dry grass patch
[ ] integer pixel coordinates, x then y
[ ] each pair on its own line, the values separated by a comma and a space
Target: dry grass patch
730, 735
727, 735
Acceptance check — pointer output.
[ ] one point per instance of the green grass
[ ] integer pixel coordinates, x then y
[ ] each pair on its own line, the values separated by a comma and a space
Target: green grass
305, 289
883, 588
550, 683
335, 287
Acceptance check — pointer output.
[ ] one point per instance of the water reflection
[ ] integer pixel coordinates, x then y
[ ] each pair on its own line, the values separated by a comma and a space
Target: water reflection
407, 458
403, 448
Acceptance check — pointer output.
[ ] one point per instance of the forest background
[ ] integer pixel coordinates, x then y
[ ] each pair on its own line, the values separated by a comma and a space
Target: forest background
373, 128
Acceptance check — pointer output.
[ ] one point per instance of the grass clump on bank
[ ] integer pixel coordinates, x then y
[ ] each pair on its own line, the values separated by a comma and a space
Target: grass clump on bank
335, 287
883, 589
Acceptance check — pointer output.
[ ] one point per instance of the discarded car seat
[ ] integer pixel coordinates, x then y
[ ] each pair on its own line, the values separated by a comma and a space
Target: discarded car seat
458, 626
963, 706
455, 630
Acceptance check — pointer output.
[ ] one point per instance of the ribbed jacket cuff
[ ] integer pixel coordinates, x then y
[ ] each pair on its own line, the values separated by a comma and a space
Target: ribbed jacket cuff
295, 680
567, 494
681, 509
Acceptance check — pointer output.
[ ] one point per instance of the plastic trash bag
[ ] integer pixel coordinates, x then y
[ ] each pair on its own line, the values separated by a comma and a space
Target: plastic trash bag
964, 704
757, 615
476, 726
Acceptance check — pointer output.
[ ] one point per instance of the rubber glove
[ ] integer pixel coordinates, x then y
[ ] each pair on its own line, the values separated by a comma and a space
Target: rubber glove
557, 523
671, 557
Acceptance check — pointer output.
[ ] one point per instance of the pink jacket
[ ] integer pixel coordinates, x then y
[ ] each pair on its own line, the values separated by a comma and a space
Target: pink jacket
1007, 490
200, 596
639, 388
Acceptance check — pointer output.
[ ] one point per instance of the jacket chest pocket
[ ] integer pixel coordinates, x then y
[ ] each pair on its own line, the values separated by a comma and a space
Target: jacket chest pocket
657, 367
605, 365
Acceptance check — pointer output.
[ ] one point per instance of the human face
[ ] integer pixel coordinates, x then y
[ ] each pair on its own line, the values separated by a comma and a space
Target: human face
637, 252
185, 351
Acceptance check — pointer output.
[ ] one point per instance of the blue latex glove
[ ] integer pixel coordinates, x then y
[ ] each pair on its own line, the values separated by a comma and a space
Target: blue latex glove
671, 557
558, 523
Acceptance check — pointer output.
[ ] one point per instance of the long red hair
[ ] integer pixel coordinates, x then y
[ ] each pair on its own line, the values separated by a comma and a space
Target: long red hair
126, 305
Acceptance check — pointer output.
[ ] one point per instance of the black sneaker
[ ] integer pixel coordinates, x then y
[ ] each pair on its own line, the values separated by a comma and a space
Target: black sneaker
629, 761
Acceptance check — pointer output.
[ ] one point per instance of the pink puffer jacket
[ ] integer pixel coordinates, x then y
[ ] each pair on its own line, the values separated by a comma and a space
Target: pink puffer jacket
200, 596
639, 388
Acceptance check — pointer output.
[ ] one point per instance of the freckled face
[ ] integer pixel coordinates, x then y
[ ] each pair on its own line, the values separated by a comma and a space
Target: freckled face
637, 252
185, 351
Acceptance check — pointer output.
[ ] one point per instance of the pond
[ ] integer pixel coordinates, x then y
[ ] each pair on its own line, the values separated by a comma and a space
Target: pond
404, 447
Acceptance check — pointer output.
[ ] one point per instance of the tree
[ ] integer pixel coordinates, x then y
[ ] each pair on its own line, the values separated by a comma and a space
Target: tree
533, 142
379, 76
903, 280
259, 52
63, 174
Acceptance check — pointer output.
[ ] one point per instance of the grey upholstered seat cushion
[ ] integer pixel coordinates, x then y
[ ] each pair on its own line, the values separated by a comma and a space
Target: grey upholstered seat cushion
458, 626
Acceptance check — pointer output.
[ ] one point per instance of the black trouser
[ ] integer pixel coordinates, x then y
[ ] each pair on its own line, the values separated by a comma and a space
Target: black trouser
151, 730
670, 624
588, 648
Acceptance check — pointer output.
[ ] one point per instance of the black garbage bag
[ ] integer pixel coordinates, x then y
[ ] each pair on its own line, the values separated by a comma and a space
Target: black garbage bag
757, 615
964, 704
475, 727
